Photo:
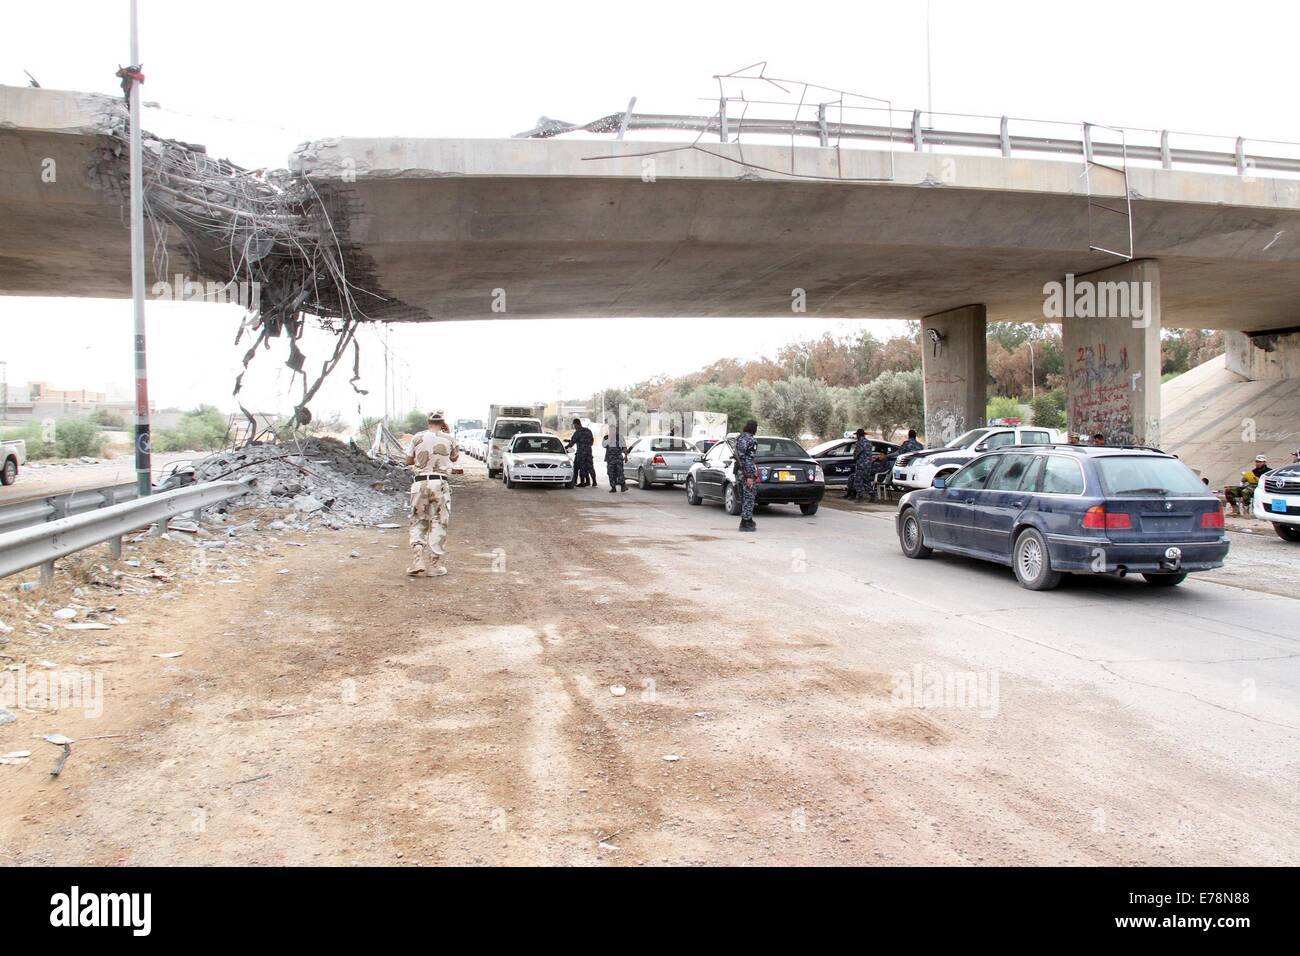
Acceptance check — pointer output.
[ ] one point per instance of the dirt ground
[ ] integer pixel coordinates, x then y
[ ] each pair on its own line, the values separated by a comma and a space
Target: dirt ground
343, 713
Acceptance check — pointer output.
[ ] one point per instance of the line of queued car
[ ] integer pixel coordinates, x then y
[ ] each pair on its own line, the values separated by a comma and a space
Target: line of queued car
1016, 497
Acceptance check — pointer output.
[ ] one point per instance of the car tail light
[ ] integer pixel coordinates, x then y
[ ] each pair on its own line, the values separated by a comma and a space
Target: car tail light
658, 460
1099, 518
815, 473
1212, 519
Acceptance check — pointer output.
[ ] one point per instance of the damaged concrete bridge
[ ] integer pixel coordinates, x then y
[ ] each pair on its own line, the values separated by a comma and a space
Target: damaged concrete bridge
453, 229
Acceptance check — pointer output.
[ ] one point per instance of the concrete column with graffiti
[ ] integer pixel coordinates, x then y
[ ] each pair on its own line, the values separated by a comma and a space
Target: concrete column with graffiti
1111, 335
954, 369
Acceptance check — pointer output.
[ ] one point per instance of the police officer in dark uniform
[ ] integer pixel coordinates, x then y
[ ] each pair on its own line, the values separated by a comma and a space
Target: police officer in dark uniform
862, 451
583, 462
911, 444
615, 454
747, 474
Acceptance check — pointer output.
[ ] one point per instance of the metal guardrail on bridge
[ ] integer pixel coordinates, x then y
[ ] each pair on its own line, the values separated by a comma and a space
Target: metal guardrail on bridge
918, 136
40, 544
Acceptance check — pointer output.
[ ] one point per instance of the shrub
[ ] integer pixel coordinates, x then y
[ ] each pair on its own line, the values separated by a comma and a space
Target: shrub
200, 429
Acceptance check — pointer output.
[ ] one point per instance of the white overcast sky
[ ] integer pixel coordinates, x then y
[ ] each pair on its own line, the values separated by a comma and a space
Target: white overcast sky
250, 80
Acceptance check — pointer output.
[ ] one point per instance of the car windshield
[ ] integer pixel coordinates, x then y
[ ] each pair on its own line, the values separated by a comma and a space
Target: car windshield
826, 447
1142, 475
779, 447
670, 444
968, 439
538, 445
511, 429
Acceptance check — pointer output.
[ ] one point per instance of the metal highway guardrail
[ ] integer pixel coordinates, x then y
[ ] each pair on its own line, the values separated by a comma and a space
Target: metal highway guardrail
728, 128
40, 544
33, 511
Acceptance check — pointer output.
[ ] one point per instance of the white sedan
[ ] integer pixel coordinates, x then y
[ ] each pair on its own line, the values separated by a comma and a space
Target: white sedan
536, 459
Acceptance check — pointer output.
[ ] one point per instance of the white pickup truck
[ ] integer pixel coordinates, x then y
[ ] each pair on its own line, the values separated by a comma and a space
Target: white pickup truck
13, 454
918, 469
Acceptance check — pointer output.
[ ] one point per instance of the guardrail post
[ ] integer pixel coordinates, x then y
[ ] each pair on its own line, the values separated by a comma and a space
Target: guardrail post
821, 124
1241, 156
722, 119
1087, 143
47, 574
59, 504
917, 139
197, 515
1005, 137
1165, 161
115, 547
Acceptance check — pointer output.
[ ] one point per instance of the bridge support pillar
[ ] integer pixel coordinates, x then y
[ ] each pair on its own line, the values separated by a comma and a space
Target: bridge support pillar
954, 369
1111, 336
1264, 356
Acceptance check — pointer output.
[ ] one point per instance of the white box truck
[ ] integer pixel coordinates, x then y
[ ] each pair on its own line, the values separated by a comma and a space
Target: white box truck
504, 422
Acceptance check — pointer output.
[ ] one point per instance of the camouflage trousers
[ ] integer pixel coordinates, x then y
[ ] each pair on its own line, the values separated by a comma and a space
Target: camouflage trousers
430, 515
614, 470
747, 496
584, 467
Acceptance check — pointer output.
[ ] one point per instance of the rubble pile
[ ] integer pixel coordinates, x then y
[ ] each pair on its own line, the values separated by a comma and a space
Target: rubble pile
324, 481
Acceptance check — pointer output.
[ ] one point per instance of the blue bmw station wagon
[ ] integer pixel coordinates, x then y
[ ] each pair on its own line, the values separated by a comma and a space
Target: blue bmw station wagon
1052, 509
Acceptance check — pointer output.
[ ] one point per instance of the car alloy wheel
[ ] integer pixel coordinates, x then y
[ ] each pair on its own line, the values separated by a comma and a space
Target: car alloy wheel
1032, 563
10, 473
909, 536
730, 501
640, 480
691, 497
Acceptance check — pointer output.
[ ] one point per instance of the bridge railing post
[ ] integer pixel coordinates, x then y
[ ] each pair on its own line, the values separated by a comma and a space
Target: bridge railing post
918, 140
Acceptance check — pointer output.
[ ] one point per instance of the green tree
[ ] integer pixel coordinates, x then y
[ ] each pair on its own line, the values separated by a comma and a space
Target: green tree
413, 421
826, 414
786, 405
1047, 413
1001, 406
892, 401
107, 418
734, 401
200, 429
75, 437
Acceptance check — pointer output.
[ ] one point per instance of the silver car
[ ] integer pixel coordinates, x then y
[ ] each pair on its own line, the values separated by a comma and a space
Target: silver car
660, 460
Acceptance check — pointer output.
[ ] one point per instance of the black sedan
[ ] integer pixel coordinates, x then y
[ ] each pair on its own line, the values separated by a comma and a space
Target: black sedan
836, 457
1049, 509
786, 475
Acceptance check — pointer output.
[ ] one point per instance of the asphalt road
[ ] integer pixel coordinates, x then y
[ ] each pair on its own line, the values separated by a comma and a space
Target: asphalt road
1178, 707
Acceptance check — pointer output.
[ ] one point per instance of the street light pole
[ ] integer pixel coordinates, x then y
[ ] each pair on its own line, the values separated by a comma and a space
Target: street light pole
143, 444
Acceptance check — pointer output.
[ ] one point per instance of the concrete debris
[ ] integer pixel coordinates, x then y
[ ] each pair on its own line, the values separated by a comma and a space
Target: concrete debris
326, 482
7, 716
15, 758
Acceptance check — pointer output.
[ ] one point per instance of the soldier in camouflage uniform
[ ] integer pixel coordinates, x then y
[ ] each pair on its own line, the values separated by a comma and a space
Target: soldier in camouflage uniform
614, 457
584, 466
430, 453
747, 474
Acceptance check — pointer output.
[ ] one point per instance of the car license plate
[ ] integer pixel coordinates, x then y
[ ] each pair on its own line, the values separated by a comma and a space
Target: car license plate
678, 475
786, 476
1279, 505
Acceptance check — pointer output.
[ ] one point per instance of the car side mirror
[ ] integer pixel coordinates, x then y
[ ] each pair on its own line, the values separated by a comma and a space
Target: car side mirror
941, 482
982, 446
699, 458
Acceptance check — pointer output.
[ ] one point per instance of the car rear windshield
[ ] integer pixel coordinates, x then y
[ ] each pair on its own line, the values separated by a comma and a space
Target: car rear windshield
511, 429
779, 447
1142, 475
670, 444
540, 445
